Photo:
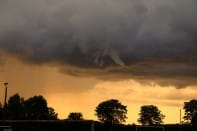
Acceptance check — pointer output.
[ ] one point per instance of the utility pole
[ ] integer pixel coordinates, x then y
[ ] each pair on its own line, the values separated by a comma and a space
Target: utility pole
180, 117
6, 88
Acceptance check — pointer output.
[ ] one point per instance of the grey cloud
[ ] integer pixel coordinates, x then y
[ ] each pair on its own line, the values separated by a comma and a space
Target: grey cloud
131, 38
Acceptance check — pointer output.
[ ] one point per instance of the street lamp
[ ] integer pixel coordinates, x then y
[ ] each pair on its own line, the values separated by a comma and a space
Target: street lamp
6, 88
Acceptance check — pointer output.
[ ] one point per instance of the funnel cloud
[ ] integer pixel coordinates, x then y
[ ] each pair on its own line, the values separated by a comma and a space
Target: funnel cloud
109, 39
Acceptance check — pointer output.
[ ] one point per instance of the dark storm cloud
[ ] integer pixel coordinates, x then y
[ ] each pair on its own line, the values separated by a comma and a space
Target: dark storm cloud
131, 38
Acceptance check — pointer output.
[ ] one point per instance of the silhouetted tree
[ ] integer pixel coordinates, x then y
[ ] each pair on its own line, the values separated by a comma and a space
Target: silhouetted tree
15, 108
75, 116
111, 112
190, 111
52, 114
36, 108
150, 115
194, 119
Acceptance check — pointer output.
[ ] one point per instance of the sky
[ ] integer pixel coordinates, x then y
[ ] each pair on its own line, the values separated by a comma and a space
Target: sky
79, 53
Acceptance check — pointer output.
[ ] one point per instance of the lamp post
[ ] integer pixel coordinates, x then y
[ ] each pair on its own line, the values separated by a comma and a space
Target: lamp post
6, 88
180, 117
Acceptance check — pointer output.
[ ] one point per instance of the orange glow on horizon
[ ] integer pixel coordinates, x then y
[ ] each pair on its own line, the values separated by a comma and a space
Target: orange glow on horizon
74, 94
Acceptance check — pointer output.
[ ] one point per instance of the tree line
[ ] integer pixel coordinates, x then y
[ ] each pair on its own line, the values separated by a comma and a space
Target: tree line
34, 108
109, 112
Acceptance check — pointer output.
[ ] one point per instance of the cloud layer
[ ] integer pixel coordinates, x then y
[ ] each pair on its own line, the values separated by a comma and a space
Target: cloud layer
140, 39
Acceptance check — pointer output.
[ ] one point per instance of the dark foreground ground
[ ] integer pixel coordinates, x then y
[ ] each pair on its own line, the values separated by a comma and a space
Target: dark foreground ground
87, 125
